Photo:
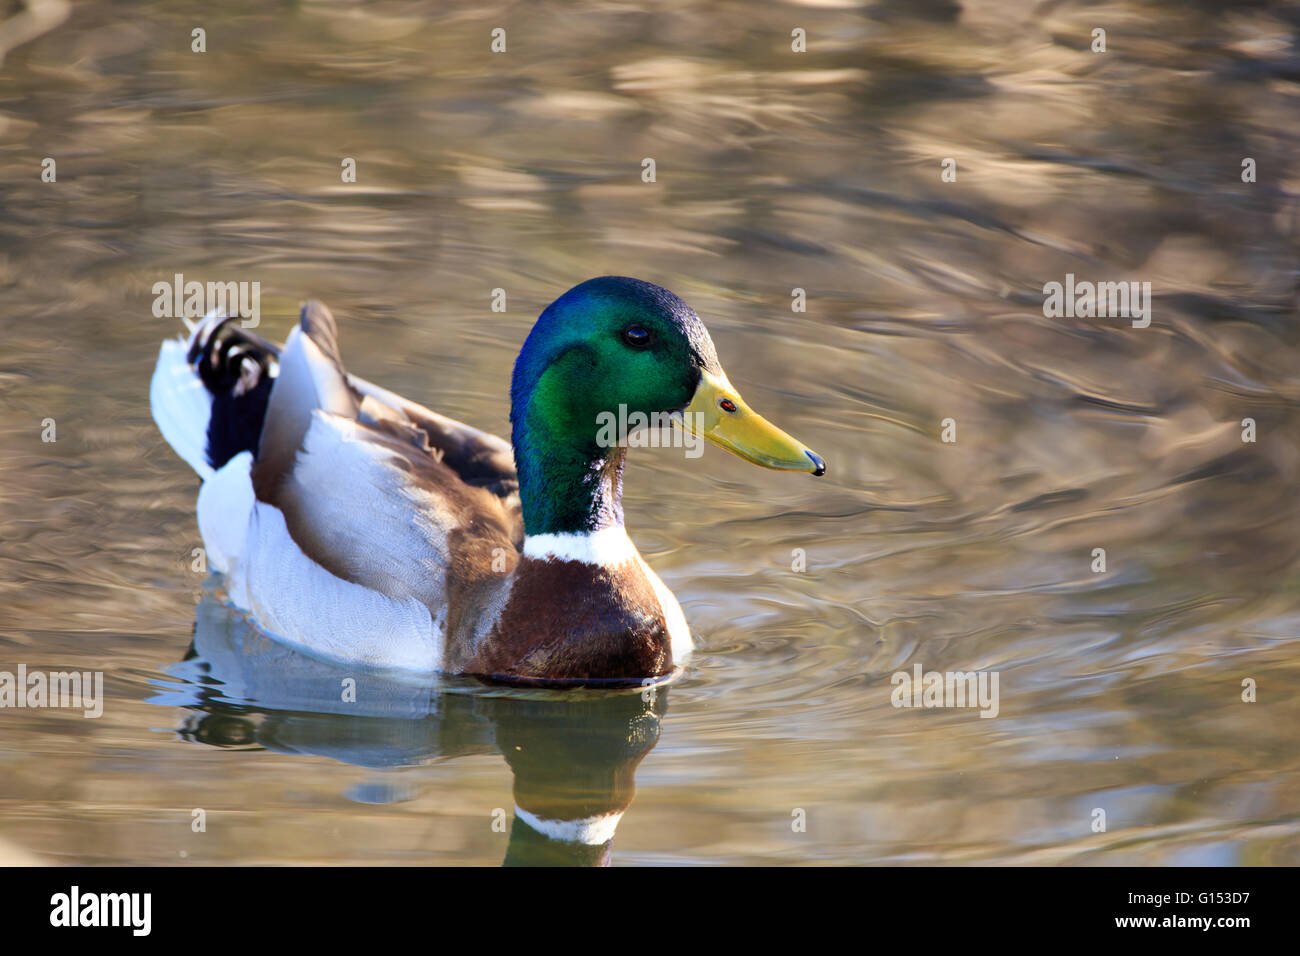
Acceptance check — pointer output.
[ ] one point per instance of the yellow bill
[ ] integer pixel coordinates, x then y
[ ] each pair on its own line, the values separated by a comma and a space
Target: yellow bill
719, 414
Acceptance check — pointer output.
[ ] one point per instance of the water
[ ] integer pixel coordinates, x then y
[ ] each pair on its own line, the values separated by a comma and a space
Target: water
1119, 691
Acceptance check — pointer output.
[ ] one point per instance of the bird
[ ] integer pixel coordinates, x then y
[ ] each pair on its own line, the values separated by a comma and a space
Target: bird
361, 527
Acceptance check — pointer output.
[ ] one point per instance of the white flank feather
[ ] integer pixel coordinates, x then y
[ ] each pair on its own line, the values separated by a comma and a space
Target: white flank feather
225, 510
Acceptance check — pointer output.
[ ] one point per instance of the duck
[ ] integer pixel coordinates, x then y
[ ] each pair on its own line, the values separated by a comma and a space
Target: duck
363, 528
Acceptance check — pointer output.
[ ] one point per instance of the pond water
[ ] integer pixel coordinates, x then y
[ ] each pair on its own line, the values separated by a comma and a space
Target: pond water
1120, 687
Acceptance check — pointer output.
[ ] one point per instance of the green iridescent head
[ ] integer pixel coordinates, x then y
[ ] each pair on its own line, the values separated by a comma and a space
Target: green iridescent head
615, 346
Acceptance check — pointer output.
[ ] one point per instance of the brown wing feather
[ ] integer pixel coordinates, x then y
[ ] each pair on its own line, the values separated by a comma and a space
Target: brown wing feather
478, 457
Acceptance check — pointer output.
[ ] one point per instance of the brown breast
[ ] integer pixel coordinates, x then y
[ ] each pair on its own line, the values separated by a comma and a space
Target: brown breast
573, 621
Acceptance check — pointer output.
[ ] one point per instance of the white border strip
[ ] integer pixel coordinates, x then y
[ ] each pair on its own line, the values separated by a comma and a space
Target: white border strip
591, 831
608, 547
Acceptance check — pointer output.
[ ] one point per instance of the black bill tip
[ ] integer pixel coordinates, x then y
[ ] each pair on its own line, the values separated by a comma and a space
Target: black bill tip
819, 466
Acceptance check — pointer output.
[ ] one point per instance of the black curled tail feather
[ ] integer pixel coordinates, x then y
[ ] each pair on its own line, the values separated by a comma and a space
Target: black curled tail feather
238, 368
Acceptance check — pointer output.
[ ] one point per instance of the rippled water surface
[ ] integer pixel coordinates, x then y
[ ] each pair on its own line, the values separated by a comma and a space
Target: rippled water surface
1120, 690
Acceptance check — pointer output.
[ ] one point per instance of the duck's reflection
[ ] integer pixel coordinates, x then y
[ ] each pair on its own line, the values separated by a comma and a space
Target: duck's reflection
573, 753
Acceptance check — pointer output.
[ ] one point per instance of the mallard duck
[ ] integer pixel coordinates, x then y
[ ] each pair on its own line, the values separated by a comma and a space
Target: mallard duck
365, 528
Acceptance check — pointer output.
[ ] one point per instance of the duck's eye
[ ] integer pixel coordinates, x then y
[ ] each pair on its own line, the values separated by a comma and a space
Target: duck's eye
727, 405
637, 336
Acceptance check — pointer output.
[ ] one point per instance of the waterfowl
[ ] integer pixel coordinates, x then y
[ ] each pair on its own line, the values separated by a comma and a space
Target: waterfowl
365, 528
